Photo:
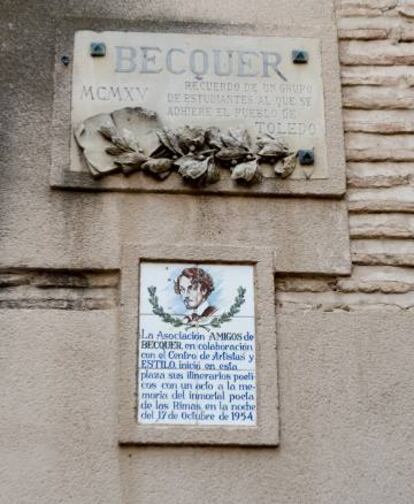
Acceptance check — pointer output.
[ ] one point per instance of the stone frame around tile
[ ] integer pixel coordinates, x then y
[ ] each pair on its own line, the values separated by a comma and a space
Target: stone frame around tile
266, 431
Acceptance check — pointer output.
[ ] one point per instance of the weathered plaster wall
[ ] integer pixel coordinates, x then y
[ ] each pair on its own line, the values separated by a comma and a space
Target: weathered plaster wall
59, 406
345, 377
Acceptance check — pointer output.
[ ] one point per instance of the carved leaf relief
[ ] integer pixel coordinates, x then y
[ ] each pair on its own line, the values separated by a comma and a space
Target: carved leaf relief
134, 139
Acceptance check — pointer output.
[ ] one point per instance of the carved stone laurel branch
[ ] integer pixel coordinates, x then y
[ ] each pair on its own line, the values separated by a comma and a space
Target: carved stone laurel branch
133, 139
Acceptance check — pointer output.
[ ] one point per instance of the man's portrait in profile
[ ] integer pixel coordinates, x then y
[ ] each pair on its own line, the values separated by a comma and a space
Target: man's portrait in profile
195, 285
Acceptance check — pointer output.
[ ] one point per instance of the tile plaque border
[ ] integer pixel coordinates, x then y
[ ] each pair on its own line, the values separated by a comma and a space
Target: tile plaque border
266, 431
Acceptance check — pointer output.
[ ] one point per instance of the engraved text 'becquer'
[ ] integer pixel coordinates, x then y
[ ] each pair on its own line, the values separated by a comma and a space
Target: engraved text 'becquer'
177, 61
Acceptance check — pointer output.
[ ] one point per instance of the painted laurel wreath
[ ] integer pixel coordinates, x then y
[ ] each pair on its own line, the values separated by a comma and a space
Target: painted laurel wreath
215, 322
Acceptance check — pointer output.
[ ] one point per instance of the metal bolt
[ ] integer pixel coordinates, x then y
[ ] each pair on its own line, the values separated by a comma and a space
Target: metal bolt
306, 157
300, 56
97, 49
65, 60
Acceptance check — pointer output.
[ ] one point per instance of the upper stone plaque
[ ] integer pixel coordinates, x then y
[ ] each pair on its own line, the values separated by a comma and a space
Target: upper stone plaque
183, 112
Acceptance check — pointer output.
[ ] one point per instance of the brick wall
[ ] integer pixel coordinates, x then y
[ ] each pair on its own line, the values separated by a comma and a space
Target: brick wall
376, 39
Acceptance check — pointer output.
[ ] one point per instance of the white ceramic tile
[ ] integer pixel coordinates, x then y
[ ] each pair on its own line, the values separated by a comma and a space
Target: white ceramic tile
161, 346
164, 400
226, 281
227, 397
175, 397
231, 347
162, 276
153, 401
246, 418
211, 396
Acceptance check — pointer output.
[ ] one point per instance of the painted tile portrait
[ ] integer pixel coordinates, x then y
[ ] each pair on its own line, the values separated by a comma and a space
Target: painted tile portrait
208, 295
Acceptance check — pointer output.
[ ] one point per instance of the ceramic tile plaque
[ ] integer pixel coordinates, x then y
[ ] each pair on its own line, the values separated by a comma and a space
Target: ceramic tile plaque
198, 346
196, 357
202, 112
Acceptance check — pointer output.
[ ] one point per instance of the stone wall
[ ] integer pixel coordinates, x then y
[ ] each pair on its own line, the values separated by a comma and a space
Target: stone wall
345, 345
377, 56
